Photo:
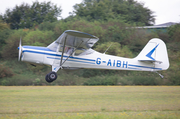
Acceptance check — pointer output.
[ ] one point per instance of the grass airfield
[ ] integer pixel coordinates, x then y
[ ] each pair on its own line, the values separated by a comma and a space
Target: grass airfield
90, 102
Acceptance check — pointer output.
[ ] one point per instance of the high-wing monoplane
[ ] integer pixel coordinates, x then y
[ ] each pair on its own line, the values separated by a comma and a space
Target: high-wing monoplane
72, 50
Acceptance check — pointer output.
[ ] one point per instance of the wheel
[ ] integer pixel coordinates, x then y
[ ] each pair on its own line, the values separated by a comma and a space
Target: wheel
52, 76
47, 78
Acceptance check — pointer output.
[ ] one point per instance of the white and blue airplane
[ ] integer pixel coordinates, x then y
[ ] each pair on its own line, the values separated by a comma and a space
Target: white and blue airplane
72, 50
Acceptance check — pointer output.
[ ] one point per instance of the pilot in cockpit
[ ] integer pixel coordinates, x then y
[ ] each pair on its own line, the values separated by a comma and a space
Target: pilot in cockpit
69, 50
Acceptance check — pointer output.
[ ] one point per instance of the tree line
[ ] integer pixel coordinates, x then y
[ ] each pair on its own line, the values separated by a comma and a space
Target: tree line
113, 21
28, 16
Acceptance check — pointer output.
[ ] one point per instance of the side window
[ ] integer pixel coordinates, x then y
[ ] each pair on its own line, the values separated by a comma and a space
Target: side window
79, 51
67, 50
84, 51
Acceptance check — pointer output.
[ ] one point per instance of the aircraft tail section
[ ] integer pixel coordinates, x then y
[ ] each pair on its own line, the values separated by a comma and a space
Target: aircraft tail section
155, 52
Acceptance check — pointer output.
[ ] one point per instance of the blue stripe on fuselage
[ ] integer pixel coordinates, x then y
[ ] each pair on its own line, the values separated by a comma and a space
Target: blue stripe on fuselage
51, 54
38, 48
71, 60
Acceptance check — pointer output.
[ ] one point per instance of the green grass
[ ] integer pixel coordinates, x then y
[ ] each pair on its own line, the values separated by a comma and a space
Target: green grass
90, 102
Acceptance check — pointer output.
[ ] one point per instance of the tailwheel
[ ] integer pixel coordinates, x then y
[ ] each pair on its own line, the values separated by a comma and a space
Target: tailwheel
51, 77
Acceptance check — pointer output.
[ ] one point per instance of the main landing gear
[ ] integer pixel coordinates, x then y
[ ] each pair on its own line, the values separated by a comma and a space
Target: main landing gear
51, 77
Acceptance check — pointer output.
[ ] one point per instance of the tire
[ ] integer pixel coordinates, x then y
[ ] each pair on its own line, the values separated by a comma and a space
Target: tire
52, 76
47, 78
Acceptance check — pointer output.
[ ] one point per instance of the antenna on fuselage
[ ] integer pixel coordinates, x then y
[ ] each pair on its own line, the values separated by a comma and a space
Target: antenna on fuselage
107, 49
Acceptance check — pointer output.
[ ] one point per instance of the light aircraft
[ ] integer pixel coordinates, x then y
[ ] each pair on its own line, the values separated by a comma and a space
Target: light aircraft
72, 50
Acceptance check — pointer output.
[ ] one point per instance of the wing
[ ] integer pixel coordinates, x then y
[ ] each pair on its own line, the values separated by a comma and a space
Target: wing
74, 39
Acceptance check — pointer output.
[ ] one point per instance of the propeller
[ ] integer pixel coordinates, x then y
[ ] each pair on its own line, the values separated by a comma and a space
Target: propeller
20, 50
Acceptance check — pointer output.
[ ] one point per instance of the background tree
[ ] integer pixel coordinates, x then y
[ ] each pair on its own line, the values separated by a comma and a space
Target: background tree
3, 25
129, 10
3, 28
5, 31
26, 16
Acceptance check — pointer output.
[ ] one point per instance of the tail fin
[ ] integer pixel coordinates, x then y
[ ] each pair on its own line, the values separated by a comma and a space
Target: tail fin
155, 51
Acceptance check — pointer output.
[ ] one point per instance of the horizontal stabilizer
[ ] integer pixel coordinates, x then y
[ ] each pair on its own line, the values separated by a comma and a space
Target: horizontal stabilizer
150, 61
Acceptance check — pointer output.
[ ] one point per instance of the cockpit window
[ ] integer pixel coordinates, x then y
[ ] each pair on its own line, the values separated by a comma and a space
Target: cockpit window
80, 51
74, 39
68, 50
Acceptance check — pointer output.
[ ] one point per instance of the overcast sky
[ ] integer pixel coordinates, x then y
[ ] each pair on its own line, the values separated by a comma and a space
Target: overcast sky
164, 10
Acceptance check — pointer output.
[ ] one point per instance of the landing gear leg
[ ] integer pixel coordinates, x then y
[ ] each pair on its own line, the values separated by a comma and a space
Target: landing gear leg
51, 77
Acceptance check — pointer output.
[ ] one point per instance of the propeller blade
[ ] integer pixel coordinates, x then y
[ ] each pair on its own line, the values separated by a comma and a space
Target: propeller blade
20, 50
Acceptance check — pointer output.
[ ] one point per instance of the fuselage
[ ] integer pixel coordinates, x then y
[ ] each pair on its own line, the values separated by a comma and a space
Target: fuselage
91, 60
